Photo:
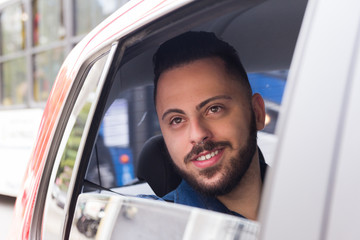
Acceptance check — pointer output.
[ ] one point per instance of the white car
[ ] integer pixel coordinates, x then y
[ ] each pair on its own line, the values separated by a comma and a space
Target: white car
100, 114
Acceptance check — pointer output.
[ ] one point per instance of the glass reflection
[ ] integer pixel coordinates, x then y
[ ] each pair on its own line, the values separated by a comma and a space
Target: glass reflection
116, 217
68, 158
62, 178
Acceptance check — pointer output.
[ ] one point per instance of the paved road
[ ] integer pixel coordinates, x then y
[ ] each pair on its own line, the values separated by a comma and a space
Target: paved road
6, 213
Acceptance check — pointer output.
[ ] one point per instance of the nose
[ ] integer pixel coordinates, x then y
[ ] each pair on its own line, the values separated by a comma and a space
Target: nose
199, 132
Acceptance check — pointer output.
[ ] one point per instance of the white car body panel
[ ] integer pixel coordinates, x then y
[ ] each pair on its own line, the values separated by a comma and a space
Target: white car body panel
298, 196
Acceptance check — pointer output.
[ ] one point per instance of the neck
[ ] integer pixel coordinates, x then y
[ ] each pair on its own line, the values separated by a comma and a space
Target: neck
245, 198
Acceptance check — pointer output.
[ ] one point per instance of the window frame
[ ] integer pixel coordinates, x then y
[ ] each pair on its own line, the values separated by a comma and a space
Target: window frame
155, 31
37, 221
299, 195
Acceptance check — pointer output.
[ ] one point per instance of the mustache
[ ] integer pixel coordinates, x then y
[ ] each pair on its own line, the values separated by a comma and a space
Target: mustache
207, 146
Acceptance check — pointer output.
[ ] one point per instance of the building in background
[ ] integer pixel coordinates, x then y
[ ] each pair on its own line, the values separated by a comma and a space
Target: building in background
35, 37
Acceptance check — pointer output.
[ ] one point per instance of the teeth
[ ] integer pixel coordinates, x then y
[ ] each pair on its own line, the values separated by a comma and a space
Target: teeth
207, 156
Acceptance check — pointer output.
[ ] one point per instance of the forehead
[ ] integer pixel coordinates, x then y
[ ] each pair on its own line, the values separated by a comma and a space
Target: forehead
196, 81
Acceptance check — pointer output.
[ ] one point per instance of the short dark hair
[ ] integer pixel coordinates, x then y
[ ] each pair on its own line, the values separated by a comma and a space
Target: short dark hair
192, 46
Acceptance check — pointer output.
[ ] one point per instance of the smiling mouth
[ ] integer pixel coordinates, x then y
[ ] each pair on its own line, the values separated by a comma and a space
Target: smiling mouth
208, 151
207, 156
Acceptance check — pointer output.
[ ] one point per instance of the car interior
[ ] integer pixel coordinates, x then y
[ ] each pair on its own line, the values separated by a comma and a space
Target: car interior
265, 44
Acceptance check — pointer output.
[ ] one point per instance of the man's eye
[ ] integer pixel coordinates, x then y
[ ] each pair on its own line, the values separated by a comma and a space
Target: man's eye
215, 109
175, 121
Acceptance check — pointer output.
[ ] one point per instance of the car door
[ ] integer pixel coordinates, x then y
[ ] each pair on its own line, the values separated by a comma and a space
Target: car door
312, 192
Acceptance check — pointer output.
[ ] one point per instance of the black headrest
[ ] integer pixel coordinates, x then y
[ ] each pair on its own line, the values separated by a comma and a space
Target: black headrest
155, 167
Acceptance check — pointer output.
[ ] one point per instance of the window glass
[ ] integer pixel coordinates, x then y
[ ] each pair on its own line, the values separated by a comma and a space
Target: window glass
14, 85
47, 65
114, 217
48, 22
13, 33
97, 9
60, 188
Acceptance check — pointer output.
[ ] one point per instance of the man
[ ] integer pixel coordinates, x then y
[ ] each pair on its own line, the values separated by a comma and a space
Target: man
209, 119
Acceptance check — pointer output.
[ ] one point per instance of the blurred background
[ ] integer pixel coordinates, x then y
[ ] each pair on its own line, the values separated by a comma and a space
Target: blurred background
35, 38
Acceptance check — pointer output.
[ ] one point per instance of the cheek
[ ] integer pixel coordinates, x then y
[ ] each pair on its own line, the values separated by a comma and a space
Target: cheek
176, 146
235, 130
229, 131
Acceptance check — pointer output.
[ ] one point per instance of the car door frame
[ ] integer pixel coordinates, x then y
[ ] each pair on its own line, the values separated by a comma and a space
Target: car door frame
300, 193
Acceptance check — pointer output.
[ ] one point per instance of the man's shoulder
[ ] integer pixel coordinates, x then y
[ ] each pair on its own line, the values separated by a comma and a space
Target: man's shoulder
146, 196
183, 194
186, 195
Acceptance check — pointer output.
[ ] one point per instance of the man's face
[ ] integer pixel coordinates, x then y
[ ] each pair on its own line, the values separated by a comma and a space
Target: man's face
208, 124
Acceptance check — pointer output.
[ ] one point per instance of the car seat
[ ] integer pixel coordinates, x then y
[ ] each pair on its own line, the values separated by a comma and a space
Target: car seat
155, 167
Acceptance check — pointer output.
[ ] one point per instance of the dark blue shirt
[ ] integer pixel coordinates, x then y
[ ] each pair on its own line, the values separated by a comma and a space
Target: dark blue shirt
186, 195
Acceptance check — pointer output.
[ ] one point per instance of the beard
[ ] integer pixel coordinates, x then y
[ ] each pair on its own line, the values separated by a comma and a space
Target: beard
231, 174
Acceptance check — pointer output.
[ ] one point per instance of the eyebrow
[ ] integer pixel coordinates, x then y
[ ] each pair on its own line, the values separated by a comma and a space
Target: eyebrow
198, 107
172, 110
203, 103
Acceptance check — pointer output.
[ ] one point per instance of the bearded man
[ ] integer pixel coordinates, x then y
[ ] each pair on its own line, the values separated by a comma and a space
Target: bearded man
209, 119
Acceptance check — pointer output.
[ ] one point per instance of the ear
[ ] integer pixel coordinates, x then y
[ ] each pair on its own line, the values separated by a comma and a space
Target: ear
258, 106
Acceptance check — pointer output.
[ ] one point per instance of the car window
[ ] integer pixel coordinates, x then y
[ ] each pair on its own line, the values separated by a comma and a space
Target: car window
127, 124
70, 151
131, 120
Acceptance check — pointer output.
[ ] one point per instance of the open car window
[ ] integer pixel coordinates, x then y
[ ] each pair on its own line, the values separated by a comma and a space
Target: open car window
112, 174
131, 120
127, 118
